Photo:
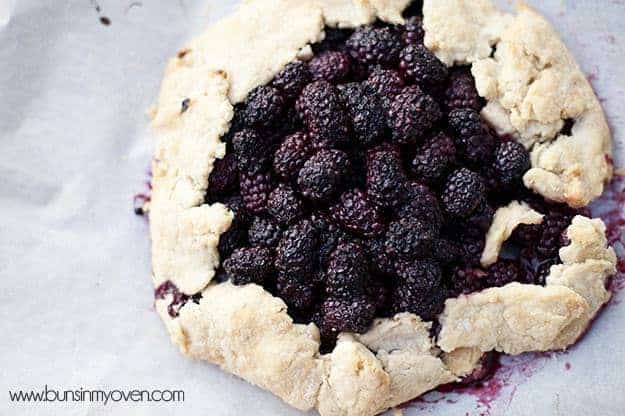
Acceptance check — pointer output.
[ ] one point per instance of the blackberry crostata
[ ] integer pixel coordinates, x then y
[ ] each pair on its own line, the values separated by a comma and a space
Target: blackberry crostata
356, 202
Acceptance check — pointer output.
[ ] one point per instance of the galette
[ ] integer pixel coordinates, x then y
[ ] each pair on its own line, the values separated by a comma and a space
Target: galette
355, 202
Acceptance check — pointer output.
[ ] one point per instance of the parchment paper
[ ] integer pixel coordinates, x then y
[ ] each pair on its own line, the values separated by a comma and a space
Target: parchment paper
76, 295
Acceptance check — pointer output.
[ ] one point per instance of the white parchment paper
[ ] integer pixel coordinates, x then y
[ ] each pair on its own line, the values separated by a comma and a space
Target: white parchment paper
76, 295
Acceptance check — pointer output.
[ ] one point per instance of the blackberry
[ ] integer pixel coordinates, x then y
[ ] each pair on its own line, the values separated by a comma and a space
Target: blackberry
264, 105
236, 235
461, 91
447, 252
412, 114
386, 179
371, 45
413, 32
321, 109
472, 247
323, 174
536, 268
291, 155
357, 214
284, 205
414, 9
434, 159
478, 150
380, 296
255, 191
418, 64
347, 271
249, 150
466, 279
387, 83
503, 272
481, 218
552, 229
365, 109
421, 202
418, 290
409, 238
329, 235
466, 122
264, 232
347, 315
297, 293
379, 261
224, 177
292, 79
463, 193
249, 265
295, 253
327, 334
527, 234
511, 162
331, 66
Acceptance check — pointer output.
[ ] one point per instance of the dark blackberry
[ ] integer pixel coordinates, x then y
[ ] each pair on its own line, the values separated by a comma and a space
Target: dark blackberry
421, 202
284, 205
331, 66
536, 268
366, 112
379, 261
264, 232
466, 122
292, 79
236, 235
478, 150
296, 292
434, 159
264, 105
224, 177
414, 9
463, 193
371, 45
323, 174
409, 238
511, 162
295, 253
291, 155
347, 315
249, 265
466, 279
481, 218
250, 151
412, 114
357, 214
552, 228
386, 178
472, 247
418, 64
527, 234
503, 272
413, 32
334, 39
387, 83
347, 271
327, 335
418, 289
320, 107
447, 252
329, 236
255, 191
461, 91
380, 295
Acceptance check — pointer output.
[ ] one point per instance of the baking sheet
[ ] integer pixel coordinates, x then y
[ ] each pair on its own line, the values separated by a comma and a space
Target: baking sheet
76, 297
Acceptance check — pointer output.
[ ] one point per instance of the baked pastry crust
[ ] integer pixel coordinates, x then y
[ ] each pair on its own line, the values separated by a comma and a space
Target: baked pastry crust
247, 331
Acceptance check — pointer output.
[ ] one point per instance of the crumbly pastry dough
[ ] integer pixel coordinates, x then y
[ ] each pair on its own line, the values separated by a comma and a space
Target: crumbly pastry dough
247, 331
524, 82
506, 219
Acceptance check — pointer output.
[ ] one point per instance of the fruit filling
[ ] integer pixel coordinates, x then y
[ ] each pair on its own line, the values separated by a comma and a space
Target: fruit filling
363, 183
